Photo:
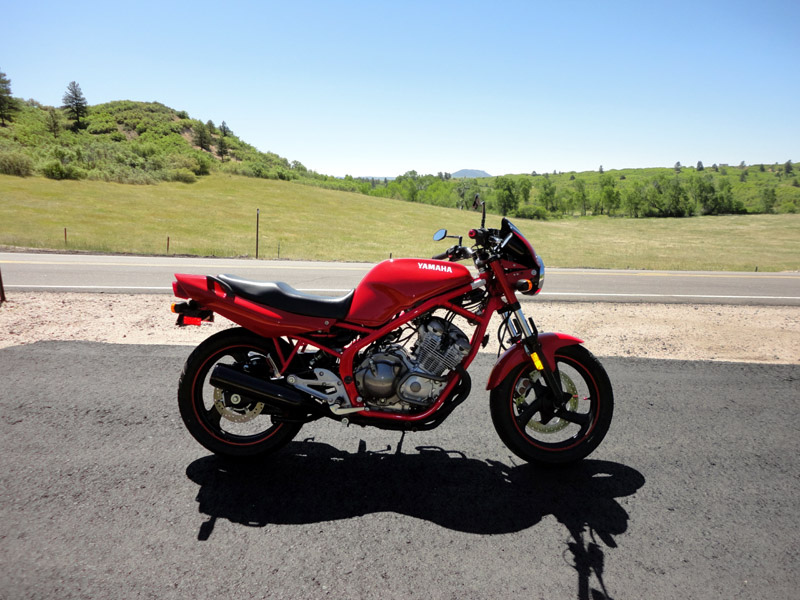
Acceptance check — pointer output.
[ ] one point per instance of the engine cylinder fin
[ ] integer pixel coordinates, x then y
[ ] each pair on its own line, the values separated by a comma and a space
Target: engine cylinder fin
394, 378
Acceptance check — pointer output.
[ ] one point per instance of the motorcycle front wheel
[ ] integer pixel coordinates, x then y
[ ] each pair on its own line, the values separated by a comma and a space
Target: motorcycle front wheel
228, 424
536, 432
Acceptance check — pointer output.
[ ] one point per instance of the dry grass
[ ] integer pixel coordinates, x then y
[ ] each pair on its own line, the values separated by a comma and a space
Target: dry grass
217, 217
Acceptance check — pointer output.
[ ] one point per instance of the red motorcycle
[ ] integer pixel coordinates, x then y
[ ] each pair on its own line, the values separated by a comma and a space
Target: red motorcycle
390, 354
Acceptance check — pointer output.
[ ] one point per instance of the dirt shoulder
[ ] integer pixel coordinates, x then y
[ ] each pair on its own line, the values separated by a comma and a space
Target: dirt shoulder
764, 334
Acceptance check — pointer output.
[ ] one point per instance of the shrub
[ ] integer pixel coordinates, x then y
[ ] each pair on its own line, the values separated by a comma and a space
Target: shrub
203, 164
144, 150
182, 161
183, 176
258, 169
531, 212
56, 170
15, 163
102, 126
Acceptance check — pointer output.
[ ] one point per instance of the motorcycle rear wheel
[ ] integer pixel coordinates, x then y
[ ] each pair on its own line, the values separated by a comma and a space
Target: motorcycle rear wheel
579, 427
231, 427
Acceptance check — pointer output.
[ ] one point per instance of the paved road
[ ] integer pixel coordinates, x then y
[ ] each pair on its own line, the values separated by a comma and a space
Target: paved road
694, 494
140, 274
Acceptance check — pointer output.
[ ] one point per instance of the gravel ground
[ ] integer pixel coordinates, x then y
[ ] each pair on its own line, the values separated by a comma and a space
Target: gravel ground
761, 334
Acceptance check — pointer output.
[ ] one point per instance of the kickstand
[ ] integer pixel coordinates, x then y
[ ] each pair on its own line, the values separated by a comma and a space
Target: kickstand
400, 443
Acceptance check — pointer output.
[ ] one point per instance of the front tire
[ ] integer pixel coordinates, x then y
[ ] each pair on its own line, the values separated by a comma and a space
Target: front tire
518, 403
229, 426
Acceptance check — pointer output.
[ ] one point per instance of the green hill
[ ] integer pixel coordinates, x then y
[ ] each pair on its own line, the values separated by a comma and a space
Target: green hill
149, 143
129, 142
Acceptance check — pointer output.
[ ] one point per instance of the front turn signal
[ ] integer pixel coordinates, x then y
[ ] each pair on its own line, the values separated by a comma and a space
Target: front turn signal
524, 285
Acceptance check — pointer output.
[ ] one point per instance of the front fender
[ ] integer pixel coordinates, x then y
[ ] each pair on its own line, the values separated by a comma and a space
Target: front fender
516, 355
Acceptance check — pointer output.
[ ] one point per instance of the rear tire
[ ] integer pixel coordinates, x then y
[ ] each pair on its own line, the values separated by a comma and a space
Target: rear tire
237, 431
563, 439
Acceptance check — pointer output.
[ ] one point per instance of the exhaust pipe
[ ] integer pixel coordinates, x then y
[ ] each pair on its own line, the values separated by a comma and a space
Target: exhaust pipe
269, 393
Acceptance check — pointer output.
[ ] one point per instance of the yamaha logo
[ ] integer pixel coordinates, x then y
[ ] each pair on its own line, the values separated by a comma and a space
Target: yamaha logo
431, 267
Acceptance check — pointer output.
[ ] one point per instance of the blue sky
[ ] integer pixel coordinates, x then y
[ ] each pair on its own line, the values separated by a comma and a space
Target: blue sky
381, 88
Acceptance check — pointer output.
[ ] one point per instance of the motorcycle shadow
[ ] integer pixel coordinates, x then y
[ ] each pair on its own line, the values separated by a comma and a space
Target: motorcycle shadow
311, 482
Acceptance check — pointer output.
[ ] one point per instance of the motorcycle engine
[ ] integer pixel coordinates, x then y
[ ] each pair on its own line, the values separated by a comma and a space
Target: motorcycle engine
391, 377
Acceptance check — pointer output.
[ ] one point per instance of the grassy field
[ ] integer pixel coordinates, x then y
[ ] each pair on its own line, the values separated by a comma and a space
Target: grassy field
217, 217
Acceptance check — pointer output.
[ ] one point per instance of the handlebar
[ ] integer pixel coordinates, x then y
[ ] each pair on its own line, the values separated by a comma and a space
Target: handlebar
488, 244
455, 253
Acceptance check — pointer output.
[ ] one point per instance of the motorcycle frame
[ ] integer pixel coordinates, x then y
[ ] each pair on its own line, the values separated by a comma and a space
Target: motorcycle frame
212, 294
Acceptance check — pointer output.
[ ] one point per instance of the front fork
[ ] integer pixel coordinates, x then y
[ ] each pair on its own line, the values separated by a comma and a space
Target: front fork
525, 329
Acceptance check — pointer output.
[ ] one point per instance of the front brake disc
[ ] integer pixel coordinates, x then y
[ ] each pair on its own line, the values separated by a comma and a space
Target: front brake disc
555, 424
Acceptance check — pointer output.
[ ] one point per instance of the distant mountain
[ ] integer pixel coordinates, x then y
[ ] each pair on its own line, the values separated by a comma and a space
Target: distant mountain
469, 174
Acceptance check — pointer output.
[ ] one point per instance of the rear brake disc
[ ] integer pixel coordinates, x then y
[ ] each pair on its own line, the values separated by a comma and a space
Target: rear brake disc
237, 414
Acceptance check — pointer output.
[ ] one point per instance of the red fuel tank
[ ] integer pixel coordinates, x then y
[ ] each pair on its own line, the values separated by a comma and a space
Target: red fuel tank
396, 285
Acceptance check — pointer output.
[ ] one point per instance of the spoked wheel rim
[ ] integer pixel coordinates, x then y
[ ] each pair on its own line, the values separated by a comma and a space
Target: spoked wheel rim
570, 425
231, 418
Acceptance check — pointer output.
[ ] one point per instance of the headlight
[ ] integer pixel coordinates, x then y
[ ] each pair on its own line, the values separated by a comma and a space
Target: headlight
540, 262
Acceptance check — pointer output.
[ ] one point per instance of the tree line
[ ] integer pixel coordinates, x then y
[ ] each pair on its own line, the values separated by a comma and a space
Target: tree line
632, 193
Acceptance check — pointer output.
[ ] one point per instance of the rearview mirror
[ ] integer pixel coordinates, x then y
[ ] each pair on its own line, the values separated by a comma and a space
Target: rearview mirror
440, 235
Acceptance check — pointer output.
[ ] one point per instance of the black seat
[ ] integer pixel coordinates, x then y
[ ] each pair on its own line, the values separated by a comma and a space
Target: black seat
284, 297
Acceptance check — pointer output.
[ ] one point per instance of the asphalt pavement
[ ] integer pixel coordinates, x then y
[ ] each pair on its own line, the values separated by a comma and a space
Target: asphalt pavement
154, 274
103, 494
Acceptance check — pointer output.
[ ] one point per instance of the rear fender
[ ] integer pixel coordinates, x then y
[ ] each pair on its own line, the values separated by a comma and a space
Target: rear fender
264, 320
516, 355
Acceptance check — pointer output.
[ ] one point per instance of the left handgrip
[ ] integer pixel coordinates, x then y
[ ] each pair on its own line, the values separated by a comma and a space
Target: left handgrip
447, 254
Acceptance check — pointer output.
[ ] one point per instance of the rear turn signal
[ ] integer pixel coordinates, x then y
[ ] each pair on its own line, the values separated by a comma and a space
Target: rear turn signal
189, 313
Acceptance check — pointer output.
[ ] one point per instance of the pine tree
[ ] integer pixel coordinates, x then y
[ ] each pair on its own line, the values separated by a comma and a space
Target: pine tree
202, 137
53, 122
8, 105
75, 102
222, 148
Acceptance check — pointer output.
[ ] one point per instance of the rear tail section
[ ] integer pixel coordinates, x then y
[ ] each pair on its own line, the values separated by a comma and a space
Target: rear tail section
210, 294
